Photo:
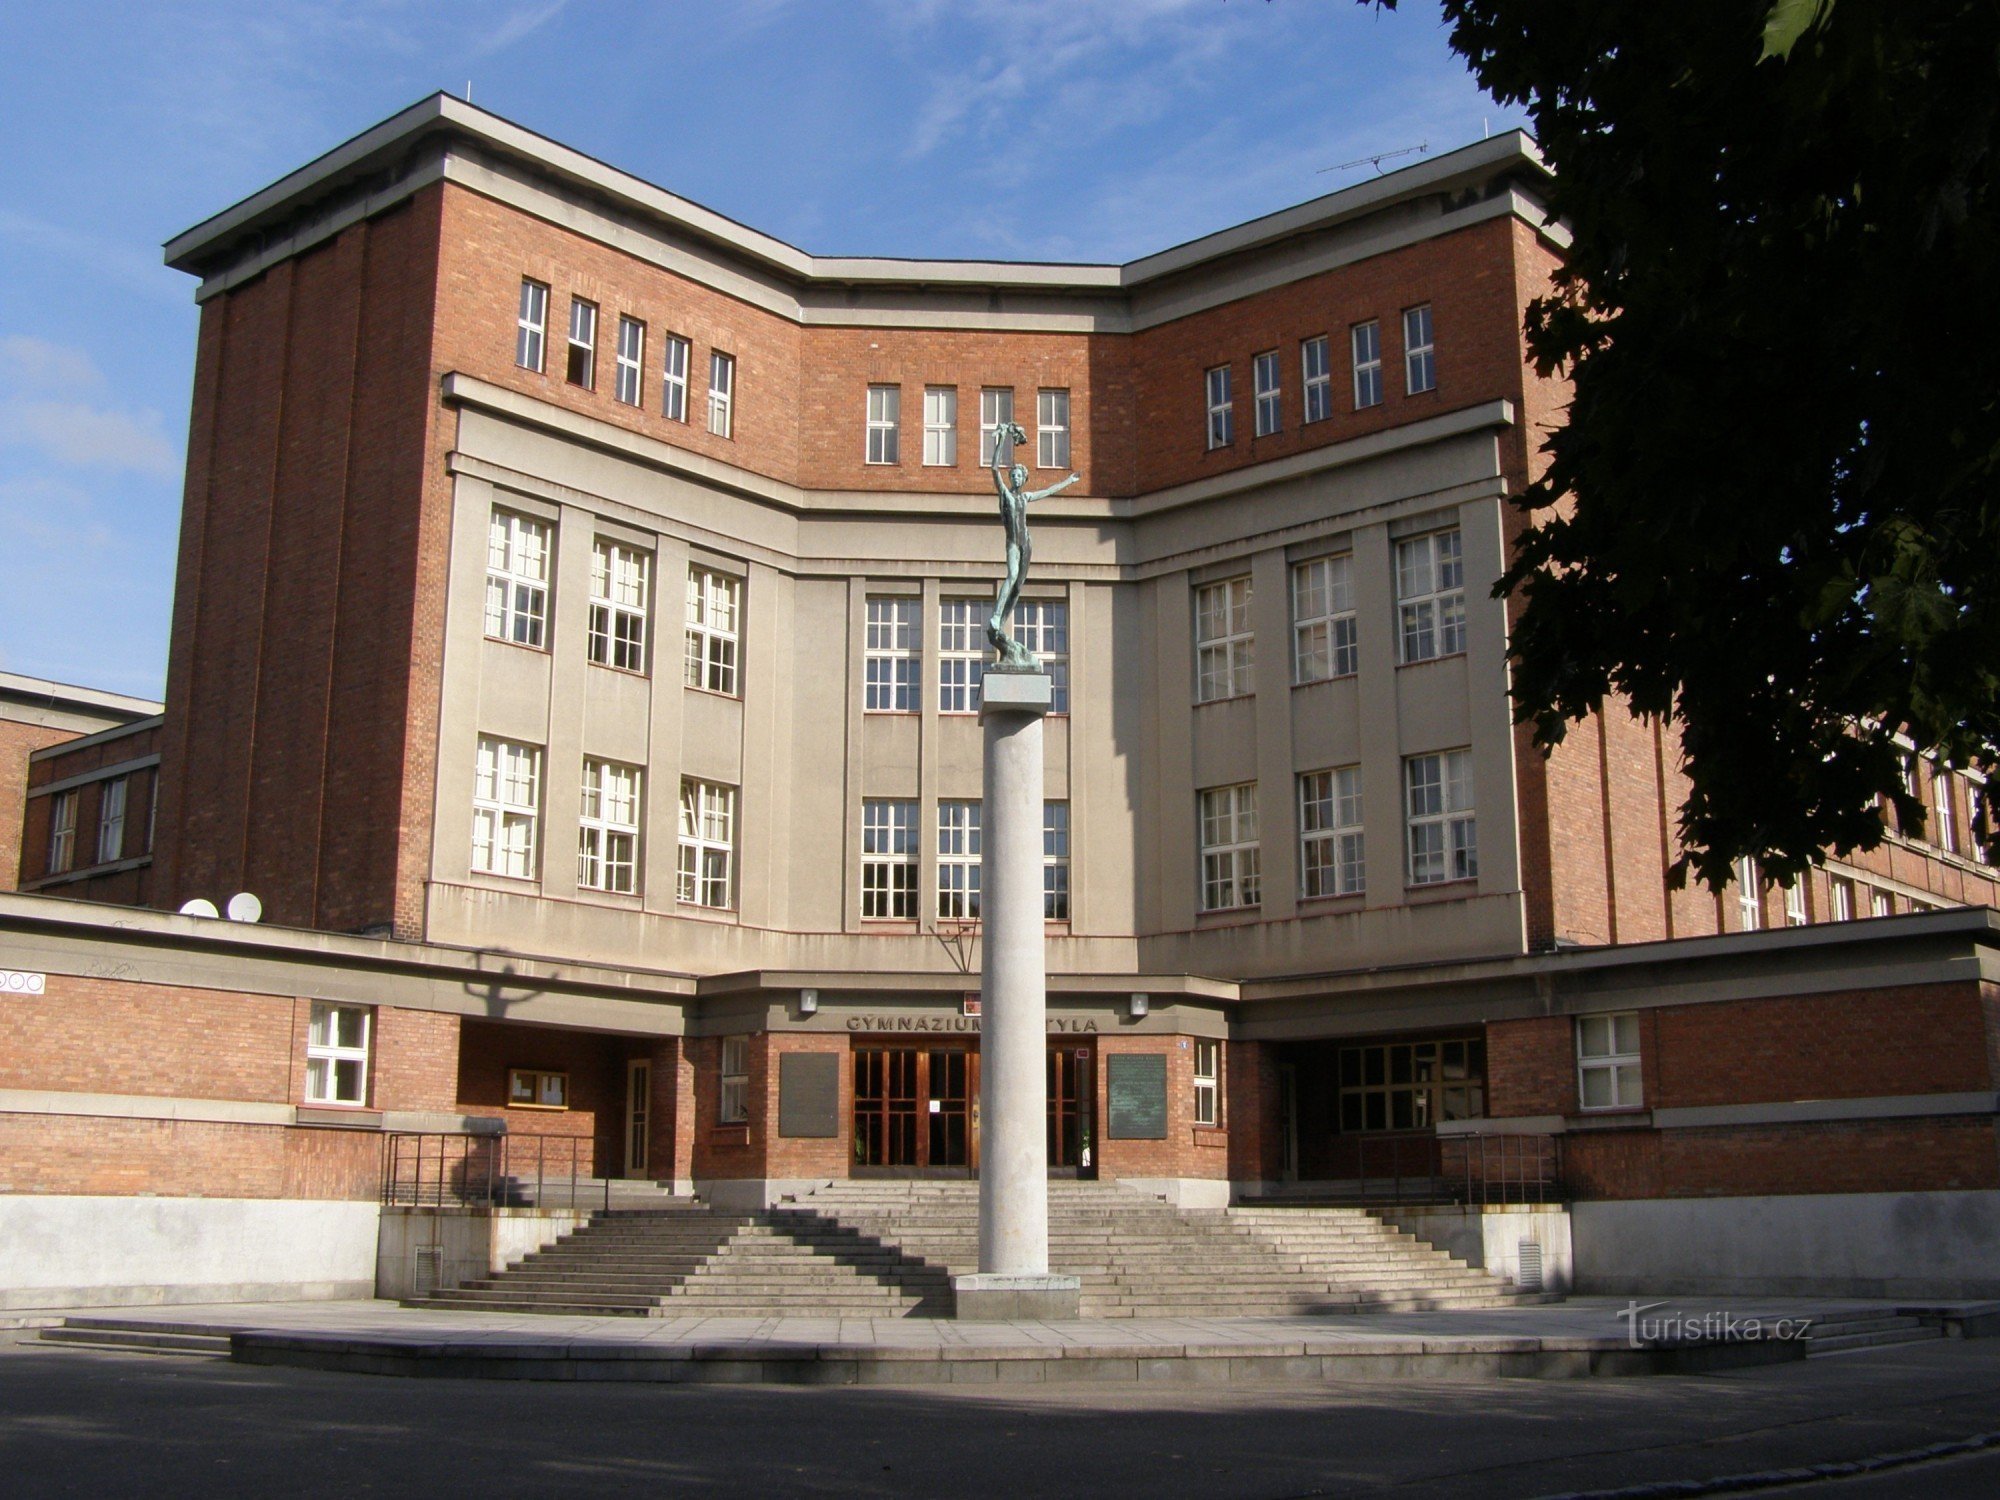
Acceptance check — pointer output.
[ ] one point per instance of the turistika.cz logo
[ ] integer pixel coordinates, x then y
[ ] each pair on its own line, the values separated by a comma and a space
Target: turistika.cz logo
1715, 1326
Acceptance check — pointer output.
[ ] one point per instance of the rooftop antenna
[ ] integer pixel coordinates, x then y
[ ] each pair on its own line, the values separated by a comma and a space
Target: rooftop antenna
468, 91
1378, 158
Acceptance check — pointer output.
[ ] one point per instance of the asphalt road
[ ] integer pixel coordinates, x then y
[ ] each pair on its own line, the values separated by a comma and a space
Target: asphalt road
91, 1424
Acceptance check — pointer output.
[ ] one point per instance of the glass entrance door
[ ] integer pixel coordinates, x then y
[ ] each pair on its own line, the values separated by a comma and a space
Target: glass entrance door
638, 1116
1072, 1110
915, 1111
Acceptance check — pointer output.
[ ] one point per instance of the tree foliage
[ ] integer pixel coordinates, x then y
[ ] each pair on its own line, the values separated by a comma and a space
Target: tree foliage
1773, 509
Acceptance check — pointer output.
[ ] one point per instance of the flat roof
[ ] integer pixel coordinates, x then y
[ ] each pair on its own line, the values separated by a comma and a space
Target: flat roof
41, 693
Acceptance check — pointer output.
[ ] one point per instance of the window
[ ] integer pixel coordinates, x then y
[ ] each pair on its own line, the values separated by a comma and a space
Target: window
536, 1088
1221, 413
721, 394
111, 821
958, 859
1840, 894
1042, 625
1430, 588
629, 386
618, 578
532, 326
1229, 867
1607, 1061
607, 846
1225, 649
996, 410
708, 845
893, 656
517, 578
1881, 904
1749, 896
582, 343
1795, 904
506, 799
1207, 1082
1052, 429
674, 379
733, 1100
1325, 642
337, 1054
1444, 836
885, 415
62, 831
1317, 368
1419, 354
1055, 861
713, 601
940, 426
1264, 386
1947, 820
1367, 341
1411, 1085
961, 654
888, 859
1330, 850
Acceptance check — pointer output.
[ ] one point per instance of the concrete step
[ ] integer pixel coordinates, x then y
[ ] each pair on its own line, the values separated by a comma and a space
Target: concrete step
136, 1338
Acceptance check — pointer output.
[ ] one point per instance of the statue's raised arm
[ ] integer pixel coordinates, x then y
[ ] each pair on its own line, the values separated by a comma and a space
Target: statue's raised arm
1010, 481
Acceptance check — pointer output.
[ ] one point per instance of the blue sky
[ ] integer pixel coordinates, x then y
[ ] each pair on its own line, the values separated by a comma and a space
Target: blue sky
1036, 129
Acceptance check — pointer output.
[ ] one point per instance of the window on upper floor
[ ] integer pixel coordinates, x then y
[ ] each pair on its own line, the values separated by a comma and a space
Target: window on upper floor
1840, 898
630, 384
1331, 854
1316, 367
714, 610
1419, 353
582, 367
607, 848
958, 860
888, 858
961, 654
532, 326
722, 394
1230, 874
885, 417
1042, 625
1207, 1081
1264, 387
619, 578
893, 656
1055, 861
1947, 814
940, 426
1443, 828
1881, 904
517, 578
1221, 408
1607, 1061
1430, 595
337, 1054
506, 806
707, 869
62, 832
111, 820
996, 410
1366, 339
674, 379
1325, 640
1795, 903
1225, 648
1052, 429
1749, 896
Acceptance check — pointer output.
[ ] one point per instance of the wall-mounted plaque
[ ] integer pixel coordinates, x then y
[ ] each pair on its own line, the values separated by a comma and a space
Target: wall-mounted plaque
808, 1094
1136, 1096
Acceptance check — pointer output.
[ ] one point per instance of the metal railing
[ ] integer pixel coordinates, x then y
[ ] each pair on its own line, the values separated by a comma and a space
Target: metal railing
1503, 1168
455, 1169
1393, 1168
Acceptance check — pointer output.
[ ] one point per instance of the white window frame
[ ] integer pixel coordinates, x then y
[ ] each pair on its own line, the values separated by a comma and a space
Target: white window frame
722, 394
885, 424
582, 346
893, 655
629, 377
962, 654
330, 1045
532, 326
517, 579
607, 843
941, 426
111, 800
959, 842
1795, 903
705, 868
674, 377
1316, 375
889, 837
1207, 1081
1749, 895
1055, 862
1430, 595
1225, 640
1419, 351
1231, 866
1052, 427
1042, 625
1947, 816
1332, 854
714, 625
62, 832
1326, 635
1608, 1053
732, 1095
620, 585
1221, 407
996, 410
506, 808
1267, 393
1365, 342
1443, 823
1840, 898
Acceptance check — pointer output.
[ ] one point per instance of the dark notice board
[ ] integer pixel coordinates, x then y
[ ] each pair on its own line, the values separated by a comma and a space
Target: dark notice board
808, 1094
1136, 1092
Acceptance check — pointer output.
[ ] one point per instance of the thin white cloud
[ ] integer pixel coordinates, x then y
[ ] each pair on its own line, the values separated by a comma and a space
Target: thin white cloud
523, 22
55, 516
78, 435
32, 364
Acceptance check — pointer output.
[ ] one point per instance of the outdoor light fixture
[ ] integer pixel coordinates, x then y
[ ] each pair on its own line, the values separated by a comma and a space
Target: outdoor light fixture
808, 1002
1138, 1005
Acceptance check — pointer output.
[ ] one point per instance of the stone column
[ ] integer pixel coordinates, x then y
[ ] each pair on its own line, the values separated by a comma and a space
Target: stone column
1013, 1279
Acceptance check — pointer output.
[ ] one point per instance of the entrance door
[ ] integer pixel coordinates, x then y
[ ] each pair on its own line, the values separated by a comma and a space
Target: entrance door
638, 1116
1288, 1122
914, 1111
1072, 1110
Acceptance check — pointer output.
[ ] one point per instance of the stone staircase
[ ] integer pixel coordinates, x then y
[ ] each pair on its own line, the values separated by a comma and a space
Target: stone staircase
889, 1249
138, 1336
1849, 1331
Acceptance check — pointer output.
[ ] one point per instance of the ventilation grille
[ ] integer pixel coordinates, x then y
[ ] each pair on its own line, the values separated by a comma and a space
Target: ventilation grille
1528, 1266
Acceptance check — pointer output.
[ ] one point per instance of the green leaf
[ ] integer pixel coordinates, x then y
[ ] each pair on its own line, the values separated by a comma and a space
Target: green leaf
1789, 20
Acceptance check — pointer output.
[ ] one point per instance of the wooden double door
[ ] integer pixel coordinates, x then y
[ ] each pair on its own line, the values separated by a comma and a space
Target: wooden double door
916, 1110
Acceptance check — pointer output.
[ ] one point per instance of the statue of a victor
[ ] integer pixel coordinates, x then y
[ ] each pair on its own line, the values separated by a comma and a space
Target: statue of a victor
1010, 480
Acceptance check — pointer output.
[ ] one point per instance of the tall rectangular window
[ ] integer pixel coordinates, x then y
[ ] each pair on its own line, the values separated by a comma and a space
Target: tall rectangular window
713, 607
630, 384
1055, 861
1052, 429
1749, 896
1331, 861
1230, 874
517, 578
1947, 817
1795, 903
996, 410
888, 859
582, 368
961, 654
1042, 625
1430, 593
337, 1054
1207, 1082
893, 656
1221, 409
707, 869
618, 595
1840, 898
506, 802
885, 417
1444, 833
940, 426
732, 1105
1881, 904
1264, 385
1225, 648
532, 326
1419, 353
111, 820
958, 851
1367, 342
62, 832
1607, 1061
607, 846
722, 394
1325, 640
1315, 365
674, 379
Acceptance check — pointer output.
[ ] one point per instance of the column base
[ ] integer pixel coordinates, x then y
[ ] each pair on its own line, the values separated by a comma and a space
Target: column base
986, 1297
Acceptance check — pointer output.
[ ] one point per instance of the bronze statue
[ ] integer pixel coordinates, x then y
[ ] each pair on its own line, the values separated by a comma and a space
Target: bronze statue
1014, 500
